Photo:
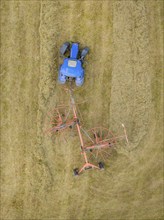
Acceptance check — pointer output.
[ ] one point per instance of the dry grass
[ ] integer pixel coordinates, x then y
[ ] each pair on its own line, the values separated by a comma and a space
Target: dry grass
123, 83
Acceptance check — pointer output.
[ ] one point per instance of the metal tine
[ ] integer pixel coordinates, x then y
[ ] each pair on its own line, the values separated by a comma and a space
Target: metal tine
67, 114
86, 133
106, 135
97, 136
102, 155
53, 118
106, 152
97, 153
94, 156
101, 134
79, 113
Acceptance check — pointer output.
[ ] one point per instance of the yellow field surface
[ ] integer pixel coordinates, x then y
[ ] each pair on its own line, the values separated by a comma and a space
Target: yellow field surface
123, 84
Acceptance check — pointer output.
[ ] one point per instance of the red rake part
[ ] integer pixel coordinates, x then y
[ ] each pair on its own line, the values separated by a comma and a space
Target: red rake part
95, 144
58, 120
99, 136
98, 143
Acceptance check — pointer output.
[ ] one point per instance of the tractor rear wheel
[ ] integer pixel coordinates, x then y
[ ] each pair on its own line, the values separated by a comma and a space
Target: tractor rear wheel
64, 48
84, 53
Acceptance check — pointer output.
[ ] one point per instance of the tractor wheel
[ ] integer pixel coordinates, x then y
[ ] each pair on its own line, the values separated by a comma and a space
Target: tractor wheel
84, 53
64, 48
101, 165
76, 172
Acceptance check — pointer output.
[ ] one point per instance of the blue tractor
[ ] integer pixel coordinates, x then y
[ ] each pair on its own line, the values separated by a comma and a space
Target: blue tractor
72, 66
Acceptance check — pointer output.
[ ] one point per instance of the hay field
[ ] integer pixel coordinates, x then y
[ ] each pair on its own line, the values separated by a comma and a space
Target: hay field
123, 83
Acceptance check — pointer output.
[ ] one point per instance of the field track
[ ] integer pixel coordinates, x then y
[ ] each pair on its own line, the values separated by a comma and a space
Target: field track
123, 84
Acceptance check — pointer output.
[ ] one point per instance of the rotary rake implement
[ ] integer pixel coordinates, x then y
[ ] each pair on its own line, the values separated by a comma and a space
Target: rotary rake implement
96, 144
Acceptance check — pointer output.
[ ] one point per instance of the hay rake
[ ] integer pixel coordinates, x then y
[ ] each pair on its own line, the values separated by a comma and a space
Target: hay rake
96, 144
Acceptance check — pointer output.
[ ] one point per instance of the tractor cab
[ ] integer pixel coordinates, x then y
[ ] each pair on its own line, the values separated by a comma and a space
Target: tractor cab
72, 66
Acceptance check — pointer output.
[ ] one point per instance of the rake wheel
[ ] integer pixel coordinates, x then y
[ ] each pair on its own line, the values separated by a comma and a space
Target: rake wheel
99, 144
58, 120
